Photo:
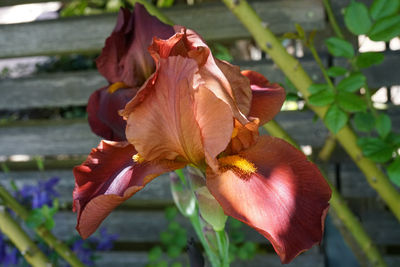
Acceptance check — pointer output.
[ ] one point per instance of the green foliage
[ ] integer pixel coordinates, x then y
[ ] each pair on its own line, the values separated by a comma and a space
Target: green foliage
376, 149
339, 47
350, 102
383, 125
165, 3
173, 242
336, 71
90, 7
238, 248
221, 52
322, 98
383, 8
365, 60
352, 83
335, 118
43, 216
317, 87
385, 29
394, 171
364, 122
357, 18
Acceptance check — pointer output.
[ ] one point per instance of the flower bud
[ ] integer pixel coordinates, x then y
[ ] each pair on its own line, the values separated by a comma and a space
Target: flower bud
182, 195
210, 210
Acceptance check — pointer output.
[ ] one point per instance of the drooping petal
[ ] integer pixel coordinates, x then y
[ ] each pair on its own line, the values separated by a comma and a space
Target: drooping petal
267, 98
125, 57
177, 117
274, 189
106, 179
103, 116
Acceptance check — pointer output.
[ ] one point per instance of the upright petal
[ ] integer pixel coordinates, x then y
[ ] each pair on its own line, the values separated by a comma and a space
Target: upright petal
106, 179
176, 117
125, 57
274, 189
103, 116
267, 98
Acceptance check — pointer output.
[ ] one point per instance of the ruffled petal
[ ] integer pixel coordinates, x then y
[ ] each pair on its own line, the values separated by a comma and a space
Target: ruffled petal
103, 116
276, 191
177, 118
106, 179
267, 98
125, 57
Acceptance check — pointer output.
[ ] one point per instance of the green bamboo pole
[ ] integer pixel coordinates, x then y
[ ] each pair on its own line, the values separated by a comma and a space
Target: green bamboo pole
297, 75
21, 240
62, 249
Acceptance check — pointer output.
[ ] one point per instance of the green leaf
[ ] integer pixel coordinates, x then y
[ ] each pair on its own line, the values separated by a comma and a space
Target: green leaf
164, 3
385, 29
383, 8
365, 60
375, 149
364, 122
383, 125
335, 118
352, 83
170, 213
394, 171
300, 31
357, 19
339, 47
173, 251
317, 87
155, 253
350, 102
336, 71
35, 218
322, 98
394, 139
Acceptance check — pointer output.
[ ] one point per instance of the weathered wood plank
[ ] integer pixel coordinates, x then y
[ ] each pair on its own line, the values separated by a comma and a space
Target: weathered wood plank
146, 226
212, 21
74, 88
66, 138
139, 259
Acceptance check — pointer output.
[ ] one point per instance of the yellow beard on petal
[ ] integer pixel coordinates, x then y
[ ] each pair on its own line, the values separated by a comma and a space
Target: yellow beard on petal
238, 163
137, 158
115, 86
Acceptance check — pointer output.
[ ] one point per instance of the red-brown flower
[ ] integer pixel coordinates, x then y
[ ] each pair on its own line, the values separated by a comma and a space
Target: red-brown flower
126, 64
195, 109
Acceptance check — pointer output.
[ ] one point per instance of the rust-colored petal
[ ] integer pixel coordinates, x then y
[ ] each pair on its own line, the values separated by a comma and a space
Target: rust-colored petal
107, 178
125, 57
267, 98
275, 190
239, 83
243, 136
177, 118
103, 108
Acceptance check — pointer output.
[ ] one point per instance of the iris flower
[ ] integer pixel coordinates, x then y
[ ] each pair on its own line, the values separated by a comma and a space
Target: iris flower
198, 110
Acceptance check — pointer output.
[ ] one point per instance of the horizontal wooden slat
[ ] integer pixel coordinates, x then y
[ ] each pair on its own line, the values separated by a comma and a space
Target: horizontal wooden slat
74, 88
64, 138
87, 34
139, 259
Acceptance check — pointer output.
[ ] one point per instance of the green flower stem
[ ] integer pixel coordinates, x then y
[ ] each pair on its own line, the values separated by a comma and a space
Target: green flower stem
21, 240
268, 42
320, 65
276, 130
327, 149
62, 249
223, 247
195, 220
332, 19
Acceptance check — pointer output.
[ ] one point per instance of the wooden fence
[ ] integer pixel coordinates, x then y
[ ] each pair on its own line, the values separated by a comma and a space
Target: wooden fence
63, 143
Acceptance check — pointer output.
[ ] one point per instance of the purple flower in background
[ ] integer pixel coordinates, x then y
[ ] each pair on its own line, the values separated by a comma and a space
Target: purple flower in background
106, 240
41, 194
8, 255
83, 251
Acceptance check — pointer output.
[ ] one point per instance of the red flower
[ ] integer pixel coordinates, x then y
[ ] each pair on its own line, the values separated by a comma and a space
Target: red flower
198, 110
126, 64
